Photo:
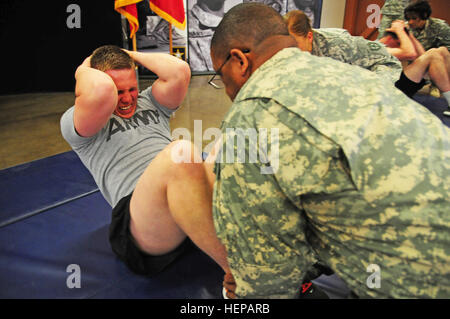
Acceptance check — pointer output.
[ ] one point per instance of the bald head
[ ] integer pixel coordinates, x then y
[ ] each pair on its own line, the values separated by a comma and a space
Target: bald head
248, 35
245, 26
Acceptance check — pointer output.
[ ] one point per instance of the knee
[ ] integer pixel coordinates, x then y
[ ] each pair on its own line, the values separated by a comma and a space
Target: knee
186, 162
436, 54
443, 51
177, 161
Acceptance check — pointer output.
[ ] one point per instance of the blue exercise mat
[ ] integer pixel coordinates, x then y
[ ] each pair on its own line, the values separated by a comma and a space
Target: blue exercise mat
54, 218
37, 252
39, 185
435, 105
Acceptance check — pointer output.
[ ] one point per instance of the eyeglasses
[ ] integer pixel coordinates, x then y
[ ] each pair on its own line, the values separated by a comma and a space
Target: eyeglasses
219, 70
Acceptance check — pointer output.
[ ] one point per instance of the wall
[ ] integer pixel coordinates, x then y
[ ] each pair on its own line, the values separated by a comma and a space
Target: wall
41, 53
441, 9
39, 50
332, 13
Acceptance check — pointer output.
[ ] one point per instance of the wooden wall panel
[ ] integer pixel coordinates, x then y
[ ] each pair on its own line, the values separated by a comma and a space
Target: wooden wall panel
355, 19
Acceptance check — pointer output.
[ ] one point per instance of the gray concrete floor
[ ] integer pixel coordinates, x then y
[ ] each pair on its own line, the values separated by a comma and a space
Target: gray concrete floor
29, 124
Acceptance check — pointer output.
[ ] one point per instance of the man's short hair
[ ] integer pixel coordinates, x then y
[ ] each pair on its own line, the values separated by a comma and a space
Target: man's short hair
245, 23
391, 34
111, 57
421, 9
298, 22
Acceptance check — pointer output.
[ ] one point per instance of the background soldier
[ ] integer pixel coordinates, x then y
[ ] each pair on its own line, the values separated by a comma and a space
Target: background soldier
340, 45
392, 10
430, 32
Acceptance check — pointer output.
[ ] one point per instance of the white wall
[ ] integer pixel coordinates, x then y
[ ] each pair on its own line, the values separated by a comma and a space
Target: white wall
332, 14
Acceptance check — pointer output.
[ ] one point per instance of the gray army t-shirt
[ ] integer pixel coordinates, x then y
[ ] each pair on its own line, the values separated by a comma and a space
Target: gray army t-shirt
120, 152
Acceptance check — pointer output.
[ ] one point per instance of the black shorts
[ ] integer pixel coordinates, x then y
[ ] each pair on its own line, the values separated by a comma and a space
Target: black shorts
407, 86
126, 249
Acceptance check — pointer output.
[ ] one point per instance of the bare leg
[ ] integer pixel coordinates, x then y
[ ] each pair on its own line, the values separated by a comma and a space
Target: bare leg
446, 56
434, 61
443, 51
439, 69
172, 200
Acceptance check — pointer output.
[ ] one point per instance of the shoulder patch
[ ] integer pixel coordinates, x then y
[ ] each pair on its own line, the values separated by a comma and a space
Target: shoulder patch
373, 46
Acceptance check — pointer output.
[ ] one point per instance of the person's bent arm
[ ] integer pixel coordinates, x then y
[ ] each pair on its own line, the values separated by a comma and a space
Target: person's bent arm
417, 45
173, 76
95, 99
407, 50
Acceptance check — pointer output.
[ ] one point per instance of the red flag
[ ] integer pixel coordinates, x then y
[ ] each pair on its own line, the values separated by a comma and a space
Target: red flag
128, 9
170, 10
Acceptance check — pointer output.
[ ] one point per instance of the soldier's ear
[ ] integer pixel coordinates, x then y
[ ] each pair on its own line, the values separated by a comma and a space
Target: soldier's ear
242, 60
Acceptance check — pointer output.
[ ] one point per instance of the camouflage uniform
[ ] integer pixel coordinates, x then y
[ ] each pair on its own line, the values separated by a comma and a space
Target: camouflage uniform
392, 10
435, 34
340, 45
363, 178
201, 29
